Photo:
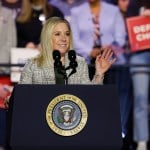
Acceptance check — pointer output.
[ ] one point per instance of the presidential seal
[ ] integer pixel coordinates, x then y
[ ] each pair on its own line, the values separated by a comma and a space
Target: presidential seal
66, 115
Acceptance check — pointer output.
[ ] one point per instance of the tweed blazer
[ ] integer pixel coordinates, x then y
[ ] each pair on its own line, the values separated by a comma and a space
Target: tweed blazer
32, 74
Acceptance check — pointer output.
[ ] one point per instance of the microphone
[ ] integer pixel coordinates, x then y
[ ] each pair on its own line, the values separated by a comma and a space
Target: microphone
73, 63
58, 65
71, 55
57, 57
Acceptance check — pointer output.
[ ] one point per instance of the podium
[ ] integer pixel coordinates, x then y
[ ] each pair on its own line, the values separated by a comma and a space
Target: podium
29, 129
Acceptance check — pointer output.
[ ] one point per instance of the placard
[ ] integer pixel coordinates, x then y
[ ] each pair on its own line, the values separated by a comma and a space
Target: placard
139, 33
20, 56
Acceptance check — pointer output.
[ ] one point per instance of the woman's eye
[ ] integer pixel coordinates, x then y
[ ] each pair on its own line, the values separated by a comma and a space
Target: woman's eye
57, 34
68, 34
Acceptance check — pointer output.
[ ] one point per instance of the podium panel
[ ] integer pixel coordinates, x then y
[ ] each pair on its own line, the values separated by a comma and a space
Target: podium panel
30, 131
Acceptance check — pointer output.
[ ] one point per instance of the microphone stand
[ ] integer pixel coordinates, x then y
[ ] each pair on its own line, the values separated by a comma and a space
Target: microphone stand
66, 79
58, 64
63, 72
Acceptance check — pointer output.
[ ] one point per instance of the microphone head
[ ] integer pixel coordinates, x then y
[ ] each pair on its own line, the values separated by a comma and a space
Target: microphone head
56, 55
72, 55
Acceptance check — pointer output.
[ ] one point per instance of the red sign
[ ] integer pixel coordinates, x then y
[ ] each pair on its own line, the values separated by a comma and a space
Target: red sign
139, 33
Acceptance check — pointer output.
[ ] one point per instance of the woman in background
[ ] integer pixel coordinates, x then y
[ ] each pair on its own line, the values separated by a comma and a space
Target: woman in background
140, 79
92, 30
7, 40
31, 19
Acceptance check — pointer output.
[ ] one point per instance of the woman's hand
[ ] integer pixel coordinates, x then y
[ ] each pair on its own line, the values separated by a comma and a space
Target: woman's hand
145, 12
30, 45
104, 61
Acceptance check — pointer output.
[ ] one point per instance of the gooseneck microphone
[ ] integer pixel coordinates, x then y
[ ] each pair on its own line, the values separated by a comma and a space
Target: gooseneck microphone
57, 57
58, 64
73, 63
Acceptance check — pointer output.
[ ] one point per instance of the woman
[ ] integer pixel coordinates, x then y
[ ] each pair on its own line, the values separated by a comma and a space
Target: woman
92, 30
31, 19
141, 79
56, 34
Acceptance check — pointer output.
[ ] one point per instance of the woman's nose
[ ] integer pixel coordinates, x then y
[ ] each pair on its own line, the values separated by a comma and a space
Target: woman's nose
63, 37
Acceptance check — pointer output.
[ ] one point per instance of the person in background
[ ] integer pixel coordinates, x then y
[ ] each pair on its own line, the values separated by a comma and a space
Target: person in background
66, 5
92, 30
31, 19
13, 5
7, 40
128, 8
140, 79
56, 35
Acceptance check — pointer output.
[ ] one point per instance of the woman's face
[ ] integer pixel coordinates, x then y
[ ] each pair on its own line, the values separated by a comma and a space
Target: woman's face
123, 5
61, 38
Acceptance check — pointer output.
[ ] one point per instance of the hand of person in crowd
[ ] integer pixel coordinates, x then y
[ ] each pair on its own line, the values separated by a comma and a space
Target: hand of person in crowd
95, 52
145, 12
38, 47
6, 101
5, 92
104, 61
30, 45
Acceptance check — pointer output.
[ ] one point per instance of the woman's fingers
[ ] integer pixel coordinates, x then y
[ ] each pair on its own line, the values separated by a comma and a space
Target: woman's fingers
107, 53
110, 56
104, 51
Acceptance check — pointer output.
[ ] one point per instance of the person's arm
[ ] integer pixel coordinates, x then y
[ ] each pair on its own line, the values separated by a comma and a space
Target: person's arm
12, 36
119, 37
144, 11
81, 48
119, 29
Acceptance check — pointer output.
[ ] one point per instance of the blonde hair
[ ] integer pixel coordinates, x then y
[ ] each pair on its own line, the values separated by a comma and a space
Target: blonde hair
46, 40
26, 10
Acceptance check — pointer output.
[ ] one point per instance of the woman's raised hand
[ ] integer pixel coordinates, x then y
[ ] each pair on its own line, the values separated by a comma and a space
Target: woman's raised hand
104, 61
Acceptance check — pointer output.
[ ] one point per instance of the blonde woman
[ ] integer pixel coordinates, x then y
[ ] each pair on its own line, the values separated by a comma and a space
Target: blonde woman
56, 34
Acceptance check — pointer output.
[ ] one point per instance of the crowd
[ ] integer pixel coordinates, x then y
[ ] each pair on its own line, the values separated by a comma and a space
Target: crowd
99, 36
